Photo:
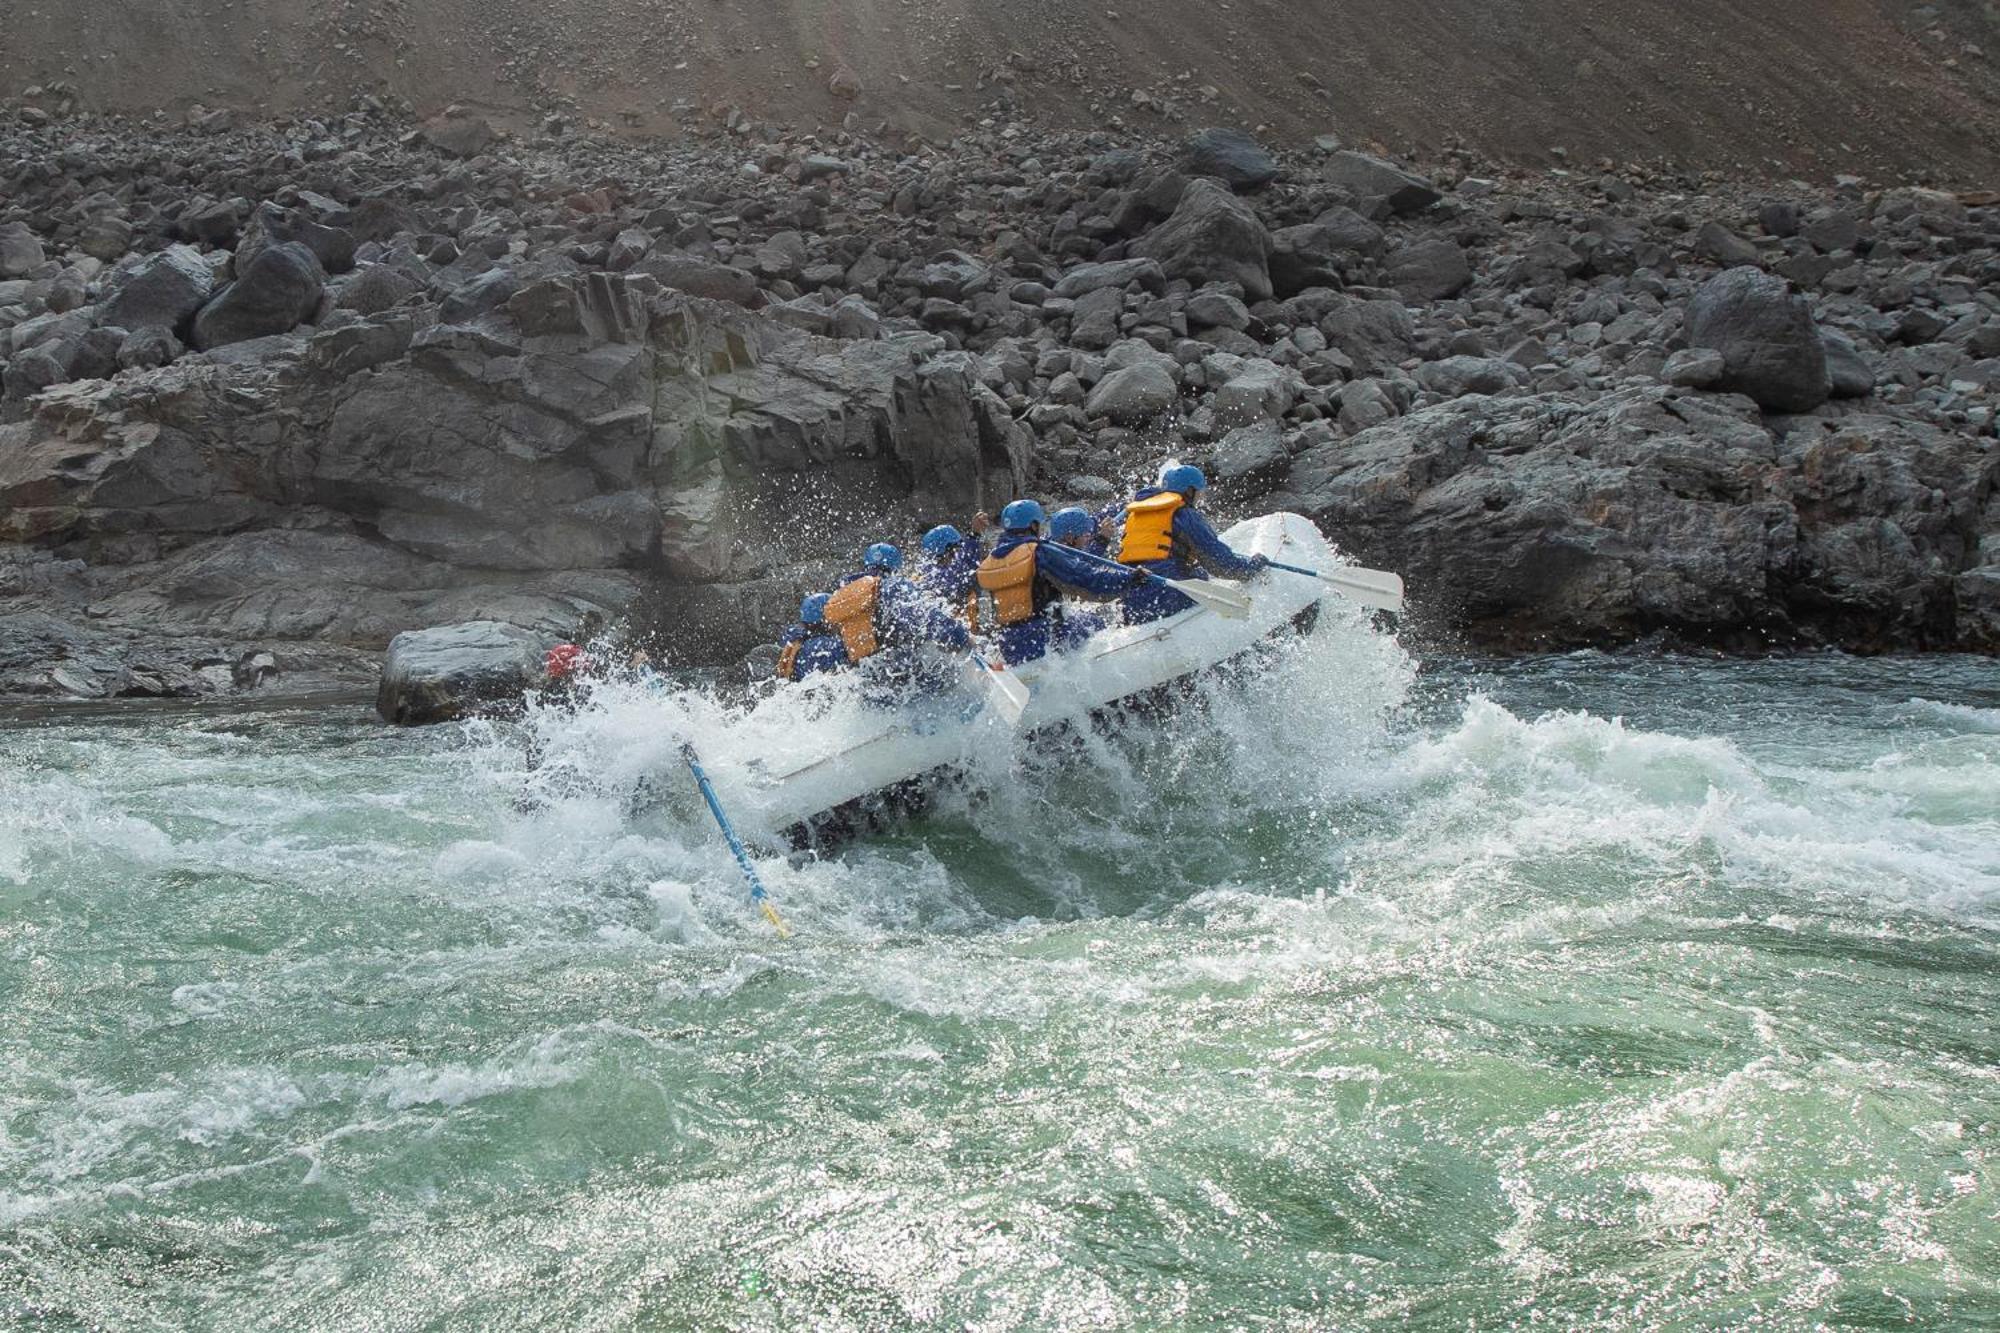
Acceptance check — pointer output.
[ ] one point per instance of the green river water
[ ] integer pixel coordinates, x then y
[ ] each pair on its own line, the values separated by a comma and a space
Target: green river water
1578, 992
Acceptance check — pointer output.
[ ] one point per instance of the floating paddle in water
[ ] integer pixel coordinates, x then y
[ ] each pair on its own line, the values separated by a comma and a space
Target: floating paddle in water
1225, 602
1370, 587
757, 892
1006, 692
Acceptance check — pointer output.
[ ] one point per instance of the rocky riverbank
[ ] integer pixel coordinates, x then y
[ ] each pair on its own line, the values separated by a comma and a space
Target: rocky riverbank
293, 388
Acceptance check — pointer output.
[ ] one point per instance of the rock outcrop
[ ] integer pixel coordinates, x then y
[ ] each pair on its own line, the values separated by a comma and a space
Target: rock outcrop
326, 382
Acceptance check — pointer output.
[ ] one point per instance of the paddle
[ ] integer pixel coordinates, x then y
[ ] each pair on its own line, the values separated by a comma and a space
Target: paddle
1225, 602
1370, 587
1006, 693
757, 893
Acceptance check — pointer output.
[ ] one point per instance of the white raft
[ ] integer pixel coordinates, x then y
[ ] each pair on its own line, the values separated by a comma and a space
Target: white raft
845, 753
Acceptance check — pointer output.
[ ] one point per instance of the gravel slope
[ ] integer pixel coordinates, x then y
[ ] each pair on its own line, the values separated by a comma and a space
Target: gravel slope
1759, 86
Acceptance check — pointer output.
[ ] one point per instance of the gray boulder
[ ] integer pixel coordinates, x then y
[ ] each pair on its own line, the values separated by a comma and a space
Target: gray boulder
279, 290
1770, 346
1548, 521
1848, 374
1977, 593
460, 136
161, 291
1087, 278
702, 277
434, 675
32, 371
1212, 237
1715, 241
146, 348
20, 251
1134, 394
1695, 368
106, 236
1433, 270
1252, 454
1371, 178
1094, 322
1232, 157
1366, 403
271, 225
213, 221
479, 295
94, 356
1456, 376
1217, 310
1256, 390
374, 289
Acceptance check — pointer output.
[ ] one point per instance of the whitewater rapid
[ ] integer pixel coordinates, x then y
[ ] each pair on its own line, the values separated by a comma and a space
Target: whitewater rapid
1616, 992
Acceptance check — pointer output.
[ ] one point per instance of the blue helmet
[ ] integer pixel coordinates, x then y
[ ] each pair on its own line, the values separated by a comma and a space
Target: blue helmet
813, 609
882, 556
1070, 522
1022, 514
944, 537
1183, 477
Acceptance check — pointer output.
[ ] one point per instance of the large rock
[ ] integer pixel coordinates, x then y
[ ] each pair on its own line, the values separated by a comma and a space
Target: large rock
434, 675
702, 277
1254, 390
460, 136
1765, 332
161, 291
1542, 521
1433, 270
1370, 178
1087, 278
479, 295
1232, 157
1456, 376
20, 251
1848, 373
1134, 394
32, 371
271, 225
274, 295
1212, 237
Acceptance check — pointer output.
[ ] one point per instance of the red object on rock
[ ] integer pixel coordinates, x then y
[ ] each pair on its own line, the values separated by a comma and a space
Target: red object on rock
563, 659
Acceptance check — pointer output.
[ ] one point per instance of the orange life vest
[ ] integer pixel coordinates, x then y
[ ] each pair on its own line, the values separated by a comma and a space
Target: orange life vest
1149, 528
1008, 583
788, 661
851, 611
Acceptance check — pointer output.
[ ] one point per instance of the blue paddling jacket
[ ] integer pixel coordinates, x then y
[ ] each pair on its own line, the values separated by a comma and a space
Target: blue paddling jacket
1022, 584
810, 649
950, 579
1166, 535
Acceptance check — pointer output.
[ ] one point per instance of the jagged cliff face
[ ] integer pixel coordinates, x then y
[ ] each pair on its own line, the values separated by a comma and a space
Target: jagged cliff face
557, 455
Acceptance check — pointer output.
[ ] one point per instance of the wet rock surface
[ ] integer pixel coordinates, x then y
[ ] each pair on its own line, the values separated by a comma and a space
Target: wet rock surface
449, 374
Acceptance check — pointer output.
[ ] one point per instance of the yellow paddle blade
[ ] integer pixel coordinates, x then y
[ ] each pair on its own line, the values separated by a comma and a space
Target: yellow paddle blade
771, 915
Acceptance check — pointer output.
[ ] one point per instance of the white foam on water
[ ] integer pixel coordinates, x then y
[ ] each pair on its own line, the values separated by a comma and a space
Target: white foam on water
1957, 717
548, 1062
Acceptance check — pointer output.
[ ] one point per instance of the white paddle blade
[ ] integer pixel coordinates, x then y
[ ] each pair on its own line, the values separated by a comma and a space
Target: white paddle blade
1005, 692
1225, 602
1371, 587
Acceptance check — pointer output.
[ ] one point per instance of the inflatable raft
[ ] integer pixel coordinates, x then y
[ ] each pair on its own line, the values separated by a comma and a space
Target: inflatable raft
828, 747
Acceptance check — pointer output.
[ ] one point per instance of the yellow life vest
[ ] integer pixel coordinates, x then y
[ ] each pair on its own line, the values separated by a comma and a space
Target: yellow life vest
851, 610
1149, 528
1009, 583
788, 661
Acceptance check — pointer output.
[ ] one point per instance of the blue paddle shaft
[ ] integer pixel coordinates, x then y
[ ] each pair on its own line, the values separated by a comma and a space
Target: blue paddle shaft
722, 821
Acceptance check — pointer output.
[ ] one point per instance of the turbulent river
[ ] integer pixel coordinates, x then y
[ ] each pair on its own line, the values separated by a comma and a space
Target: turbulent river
1582, 991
